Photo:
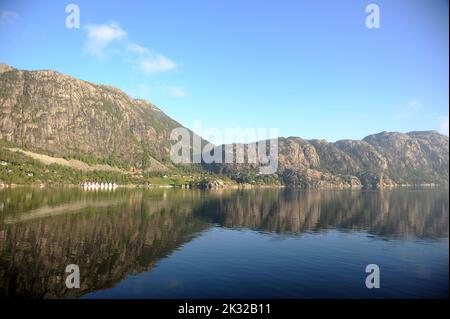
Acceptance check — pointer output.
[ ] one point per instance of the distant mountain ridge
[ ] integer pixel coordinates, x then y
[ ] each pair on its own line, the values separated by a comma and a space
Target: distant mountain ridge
381, 160
56, 114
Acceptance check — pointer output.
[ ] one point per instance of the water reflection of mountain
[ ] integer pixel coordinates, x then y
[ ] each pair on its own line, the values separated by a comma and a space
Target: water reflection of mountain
396, 213
112, 235
107, 242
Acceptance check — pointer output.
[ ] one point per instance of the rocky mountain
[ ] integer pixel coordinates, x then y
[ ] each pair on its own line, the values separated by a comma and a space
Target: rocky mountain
381, 160
56, 114
64, 116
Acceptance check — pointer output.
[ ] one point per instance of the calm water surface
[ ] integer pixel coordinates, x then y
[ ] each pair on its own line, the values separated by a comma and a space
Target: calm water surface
224, 244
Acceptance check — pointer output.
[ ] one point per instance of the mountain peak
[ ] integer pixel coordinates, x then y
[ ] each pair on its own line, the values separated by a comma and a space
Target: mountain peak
5, 68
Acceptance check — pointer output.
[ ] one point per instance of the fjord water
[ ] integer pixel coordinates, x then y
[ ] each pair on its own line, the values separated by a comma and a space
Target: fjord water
259, 243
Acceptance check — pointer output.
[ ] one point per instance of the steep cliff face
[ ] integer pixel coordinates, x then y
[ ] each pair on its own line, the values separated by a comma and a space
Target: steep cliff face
51, 112
45, 111
413, 157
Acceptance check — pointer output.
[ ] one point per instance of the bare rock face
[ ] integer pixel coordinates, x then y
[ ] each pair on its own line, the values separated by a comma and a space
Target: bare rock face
415, 157
51, 112
298, 154
5, 67
45, 111
378, 161
314, 179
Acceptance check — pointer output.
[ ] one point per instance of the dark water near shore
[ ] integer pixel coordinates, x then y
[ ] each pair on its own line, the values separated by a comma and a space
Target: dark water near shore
268, 243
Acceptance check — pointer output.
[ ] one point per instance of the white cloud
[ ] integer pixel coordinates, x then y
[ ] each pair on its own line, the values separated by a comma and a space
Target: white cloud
150, 62
7, 17
176, 91
154, 63
443, 125
100, 36
408, 109
144, 59
136, 48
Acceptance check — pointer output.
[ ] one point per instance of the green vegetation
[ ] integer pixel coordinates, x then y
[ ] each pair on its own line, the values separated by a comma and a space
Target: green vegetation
180, 179
92, 160
17, 168
255, 179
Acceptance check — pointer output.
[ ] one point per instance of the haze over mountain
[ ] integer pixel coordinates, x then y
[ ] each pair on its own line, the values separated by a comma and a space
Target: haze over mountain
56, 114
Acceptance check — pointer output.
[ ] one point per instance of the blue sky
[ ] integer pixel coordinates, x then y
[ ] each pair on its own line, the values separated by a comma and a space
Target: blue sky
309, 68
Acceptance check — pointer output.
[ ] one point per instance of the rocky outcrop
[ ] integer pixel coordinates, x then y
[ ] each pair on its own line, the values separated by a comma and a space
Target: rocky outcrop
378, 161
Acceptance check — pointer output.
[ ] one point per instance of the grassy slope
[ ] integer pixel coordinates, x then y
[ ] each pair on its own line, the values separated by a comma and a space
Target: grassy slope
23, 167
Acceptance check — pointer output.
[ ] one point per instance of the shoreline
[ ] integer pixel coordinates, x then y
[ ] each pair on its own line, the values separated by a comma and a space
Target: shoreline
222, 187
